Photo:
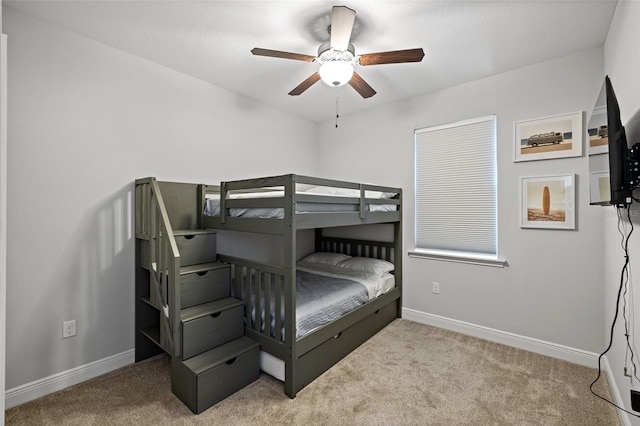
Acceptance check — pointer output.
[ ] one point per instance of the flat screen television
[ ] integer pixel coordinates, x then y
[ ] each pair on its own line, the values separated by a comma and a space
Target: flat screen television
624, 162
619, 176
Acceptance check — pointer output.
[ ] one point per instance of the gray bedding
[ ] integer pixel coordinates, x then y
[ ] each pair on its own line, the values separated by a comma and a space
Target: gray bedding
319, 300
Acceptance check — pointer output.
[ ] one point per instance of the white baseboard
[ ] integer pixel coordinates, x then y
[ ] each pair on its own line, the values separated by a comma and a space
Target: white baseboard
576, 356
36, 389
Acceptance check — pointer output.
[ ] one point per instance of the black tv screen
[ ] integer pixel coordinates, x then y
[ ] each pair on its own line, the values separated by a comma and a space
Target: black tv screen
619, 173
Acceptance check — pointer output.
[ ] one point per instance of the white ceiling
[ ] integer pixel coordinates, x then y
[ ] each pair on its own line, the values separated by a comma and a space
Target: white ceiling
211, 40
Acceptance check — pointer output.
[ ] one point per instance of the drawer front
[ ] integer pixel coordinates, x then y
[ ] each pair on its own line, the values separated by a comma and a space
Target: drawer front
227, 378
207, 332
198, 288
316, 361
195, 249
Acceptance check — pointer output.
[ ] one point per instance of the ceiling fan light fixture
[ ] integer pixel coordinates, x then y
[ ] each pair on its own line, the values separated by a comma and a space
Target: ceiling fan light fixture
336, 73
337, 57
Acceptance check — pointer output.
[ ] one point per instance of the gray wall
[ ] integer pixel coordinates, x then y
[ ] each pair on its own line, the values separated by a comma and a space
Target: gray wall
552, 289
85, 120
622, 62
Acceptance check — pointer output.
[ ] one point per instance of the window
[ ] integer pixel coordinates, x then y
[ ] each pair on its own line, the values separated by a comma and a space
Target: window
455, 192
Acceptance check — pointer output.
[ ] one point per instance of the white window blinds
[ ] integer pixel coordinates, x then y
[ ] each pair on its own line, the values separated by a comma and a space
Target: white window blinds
455, 187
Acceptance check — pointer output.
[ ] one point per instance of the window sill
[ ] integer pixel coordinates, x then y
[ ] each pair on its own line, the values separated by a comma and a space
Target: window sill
469, 258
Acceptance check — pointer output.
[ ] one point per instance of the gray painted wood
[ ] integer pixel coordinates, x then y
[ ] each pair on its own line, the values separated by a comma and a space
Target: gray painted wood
204, 380
196, 247
308, 357
208, 331
203, 284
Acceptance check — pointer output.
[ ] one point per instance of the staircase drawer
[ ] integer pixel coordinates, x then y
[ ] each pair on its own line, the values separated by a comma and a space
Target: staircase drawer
210, 377
196, 248
207, 332
202, 287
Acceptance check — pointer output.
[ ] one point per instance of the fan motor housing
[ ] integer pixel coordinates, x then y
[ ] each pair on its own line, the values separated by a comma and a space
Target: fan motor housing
327, 54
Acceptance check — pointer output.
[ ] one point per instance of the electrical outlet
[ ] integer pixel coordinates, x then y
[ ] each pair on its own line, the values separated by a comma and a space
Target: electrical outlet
436, 287
68, 329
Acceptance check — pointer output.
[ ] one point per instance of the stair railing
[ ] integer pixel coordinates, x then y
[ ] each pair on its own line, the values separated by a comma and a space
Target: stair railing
154, 225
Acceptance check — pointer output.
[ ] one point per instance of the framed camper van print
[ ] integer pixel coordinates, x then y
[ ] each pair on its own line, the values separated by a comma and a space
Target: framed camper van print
548, 202
546, 138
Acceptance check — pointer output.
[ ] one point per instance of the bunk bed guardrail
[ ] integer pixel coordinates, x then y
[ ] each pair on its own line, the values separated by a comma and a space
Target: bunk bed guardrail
262, 287
152, 223
287, 187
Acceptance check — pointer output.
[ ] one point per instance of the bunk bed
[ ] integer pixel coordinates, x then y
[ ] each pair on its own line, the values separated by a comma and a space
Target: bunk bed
284, 205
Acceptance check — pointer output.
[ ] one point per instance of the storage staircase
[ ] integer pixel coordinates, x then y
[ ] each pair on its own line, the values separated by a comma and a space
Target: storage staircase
184, 304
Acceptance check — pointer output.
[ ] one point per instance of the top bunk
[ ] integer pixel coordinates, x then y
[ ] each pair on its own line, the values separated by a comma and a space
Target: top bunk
281, 204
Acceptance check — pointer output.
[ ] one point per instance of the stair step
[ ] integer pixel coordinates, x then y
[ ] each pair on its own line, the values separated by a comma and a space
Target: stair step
221, 354
204, 380
211, 324
209, 308
204, 282
196, 246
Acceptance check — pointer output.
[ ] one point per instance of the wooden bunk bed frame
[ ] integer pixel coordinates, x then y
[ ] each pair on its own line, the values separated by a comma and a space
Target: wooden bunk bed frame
307, 357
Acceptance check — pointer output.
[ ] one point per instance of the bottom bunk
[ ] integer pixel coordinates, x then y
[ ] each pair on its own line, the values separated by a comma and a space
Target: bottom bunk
309, 317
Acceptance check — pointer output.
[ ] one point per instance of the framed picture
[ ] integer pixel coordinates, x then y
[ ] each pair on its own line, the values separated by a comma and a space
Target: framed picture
548, 202
599, 188
545, 138
598, 132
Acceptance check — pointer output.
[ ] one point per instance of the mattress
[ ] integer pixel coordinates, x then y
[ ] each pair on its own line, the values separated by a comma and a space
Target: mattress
212, 205
323, 294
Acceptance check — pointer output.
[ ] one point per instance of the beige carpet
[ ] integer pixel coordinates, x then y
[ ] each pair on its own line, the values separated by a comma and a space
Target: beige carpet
408, 374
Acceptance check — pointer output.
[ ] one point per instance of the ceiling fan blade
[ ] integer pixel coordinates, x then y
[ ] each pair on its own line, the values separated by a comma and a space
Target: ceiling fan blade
310, 81
392, 57
342, 19
284, 55
361, 86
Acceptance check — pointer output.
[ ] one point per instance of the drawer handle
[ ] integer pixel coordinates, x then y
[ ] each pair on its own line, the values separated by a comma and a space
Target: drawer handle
337, 336
202, 273
231, 361
216, 315
189, 237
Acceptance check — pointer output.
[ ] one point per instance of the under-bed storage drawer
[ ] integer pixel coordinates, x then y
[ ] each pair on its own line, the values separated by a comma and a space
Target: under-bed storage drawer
208, 378
196, 247
211, 324
317, 360
204, 286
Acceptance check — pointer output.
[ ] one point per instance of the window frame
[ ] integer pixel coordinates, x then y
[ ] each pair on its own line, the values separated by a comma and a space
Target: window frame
456, 255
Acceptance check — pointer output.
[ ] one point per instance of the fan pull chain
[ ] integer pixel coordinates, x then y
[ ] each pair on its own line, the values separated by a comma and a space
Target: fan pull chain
337, 115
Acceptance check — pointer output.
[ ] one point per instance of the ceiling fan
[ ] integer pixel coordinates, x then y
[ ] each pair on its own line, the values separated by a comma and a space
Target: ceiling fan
337, 57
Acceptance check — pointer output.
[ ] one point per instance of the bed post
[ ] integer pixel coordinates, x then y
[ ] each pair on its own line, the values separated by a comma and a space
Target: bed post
290, 384
398, 253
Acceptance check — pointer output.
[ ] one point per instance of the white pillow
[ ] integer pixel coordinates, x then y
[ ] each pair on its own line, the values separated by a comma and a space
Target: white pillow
366, 264
326, 258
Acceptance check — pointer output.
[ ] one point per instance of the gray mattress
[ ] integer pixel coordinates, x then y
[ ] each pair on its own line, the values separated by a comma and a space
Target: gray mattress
319, 300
